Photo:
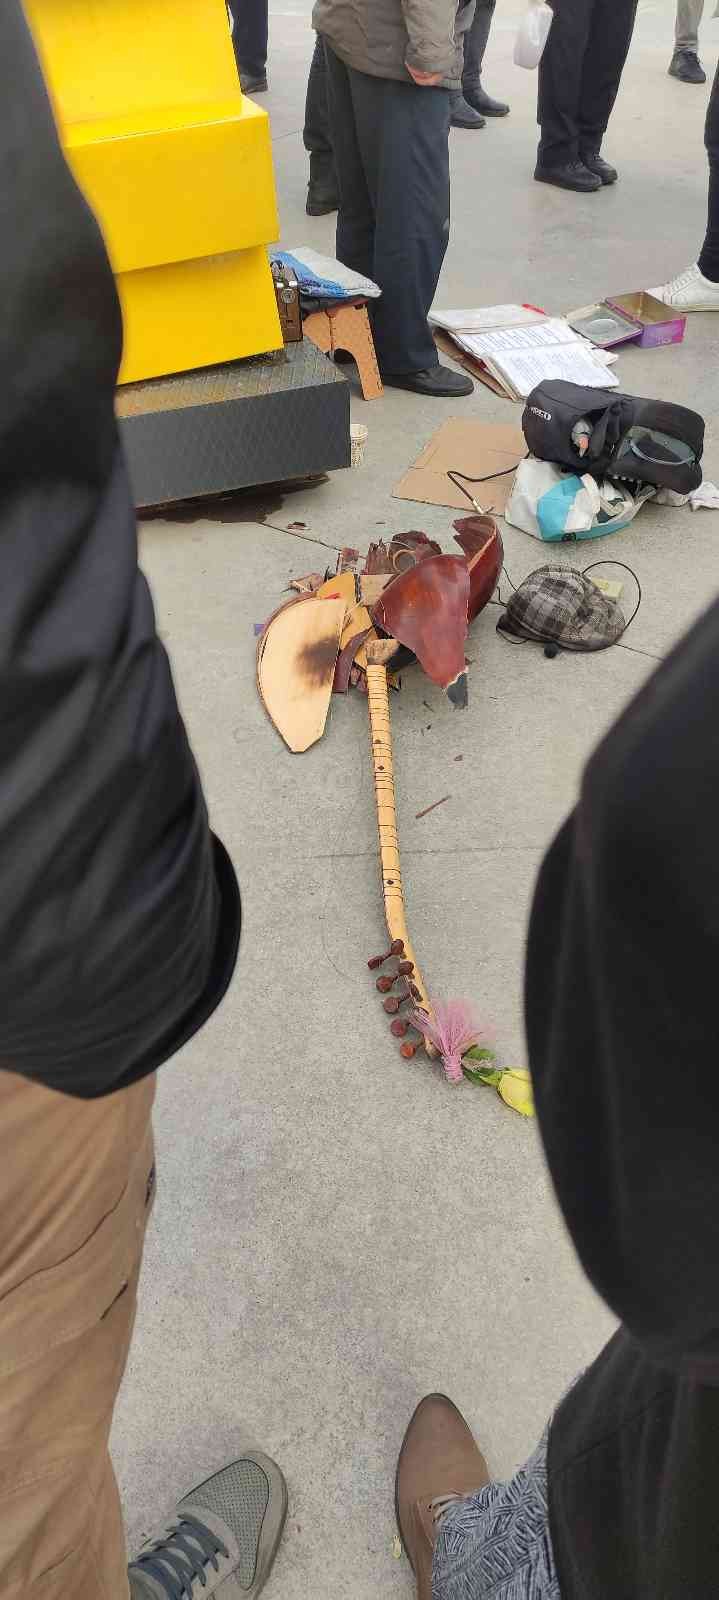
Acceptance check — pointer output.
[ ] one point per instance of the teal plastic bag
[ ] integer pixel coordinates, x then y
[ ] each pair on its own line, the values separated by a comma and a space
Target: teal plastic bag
557, 513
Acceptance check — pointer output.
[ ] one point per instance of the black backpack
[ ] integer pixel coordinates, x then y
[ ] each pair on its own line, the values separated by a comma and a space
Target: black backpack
645, 441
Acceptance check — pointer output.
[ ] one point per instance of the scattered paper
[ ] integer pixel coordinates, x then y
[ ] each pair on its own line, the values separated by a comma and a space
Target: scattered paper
483, 317
574, 363
611, 587
552, 331
513, 348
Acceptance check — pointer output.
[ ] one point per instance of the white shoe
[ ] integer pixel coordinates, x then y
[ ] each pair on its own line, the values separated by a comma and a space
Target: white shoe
689, 291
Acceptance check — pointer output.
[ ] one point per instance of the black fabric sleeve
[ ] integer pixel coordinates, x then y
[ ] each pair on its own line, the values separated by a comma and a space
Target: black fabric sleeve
114, 929
622, 1012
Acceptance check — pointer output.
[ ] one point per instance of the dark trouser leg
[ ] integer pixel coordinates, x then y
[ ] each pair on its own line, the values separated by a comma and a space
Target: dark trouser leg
412, 227
607, 48
317, 136
560, 77
356, 218
249, 36
475, 44
402, 135
709, 258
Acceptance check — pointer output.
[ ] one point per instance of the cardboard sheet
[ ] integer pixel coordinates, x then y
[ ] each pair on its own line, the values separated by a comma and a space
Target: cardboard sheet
477, 448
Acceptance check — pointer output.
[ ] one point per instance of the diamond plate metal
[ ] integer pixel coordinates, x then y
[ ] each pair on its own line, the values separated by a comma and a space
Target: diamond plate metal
264, 420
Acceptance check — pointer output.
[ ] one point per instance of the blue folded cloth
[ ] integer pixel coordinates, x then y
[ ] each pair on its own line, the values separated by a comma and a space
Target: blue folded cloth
322, 278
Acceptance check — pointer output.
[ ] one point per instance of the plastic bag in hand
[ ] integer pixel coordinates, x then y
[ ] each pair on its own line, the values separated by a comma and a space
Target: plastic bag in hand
533, 34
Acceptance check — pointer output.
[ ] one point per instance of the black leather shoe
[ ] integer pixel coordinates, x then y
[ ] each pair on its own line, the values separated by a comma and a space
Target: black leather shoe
462, 115
253, 85
439, 382
570, 175
482, 102
596, 163
321, 199
686, 66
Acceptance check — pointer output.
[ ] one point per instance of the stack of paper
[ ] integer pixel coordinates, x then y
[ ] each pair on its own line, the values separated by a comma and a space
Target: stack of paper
513, 348
484, 317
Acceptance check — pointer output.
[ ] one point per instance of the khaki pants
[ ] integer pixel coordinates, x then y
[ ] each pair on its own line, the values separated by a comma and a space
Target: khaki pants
689, 16
76, 1186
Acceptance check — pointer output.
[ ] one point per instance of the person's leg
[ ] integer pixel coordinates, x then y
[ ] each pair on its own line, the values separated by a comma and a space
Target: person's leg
685, 64
709, 257
464, 112
322, 196
249, 37
560, 77
403, 135
391, 144
496, 1543
77, 1182
356, 219
475, 44
696, 288
610, 35
686, 32
469, 1538
76, 1187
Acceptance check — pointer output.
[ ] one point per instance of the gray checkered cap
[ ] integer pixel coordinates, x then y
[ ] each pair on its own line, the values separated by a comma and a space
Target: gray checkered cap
558, 605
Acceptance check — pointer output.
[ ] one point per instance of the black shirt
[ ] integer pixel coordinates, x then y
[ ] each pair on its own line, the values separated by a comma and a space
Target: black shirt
623, 1026
119, 914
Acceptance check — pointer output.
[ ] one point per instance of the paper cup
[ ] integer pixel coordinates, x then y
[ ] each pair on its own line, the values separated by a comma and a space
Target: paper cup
358, 440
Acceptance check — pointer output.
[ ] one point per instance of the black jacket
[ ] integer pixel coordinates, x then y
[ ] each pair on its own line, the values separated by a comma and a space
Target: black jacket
119, 917
623, 1027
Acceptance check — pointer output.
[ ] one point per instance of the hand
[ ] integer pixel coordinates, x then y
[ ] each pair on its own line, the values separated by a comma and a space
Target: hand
426, 80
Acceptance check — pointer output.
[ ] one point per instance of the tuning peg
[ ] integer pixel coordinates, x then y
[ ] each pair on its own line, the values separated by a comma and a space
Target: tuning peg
396, 949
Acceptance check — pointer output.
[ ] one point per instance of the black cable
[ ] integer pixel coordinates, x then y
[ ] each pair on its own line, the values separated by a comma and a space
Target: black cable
453, 473
499, 601
608, 562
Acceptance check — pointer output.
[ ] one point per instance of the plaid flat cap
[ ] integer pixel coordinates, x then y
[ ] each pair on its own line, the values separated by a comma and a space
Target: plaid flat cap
558, 605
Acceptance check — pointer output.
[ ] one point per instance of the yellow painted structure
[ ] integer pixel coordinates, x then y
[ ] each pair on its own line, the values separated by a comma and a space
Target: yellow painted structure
177, 166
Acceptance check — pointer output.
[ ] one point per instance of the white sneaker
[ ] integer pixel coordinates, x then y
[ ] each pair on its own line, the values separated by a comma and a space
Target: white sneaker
689, 291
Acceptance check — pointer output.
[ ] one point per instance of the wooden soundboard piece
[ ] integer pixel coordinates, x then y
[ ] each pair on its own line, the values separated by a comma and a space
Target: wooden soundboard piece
296, 658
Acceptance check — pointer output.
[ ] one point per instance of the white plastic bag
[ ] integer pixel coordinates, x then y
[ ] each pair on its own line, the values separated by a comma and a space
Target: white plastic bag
533, 34
561, 507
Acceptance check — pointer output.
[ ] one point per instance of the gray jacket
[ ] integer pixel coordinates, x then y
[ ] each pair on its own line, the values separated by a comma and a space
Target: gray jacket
384, 37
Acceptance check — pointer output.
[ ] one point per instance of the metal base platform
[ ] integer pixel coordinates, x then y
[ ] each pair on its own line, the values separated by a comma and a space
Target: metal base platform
264, 420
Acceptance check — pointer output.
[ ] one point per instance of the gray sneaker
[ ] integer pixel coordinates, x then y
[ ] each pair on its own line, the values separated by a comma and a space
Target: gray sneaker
223, 1540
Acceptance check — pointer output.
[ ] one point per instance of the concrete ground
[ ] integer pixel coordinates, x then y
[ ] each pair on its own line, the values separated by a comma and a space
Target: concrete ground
337, 1231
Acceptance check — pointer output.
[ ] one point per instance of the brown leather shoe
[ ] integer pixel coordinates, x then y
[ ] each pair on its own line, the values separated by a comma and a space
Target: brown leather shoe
438, 1463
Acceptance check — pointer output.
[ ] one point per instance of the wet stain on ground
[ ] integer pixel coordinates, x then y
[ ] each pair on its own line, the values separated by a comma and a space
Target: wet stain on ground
240, 505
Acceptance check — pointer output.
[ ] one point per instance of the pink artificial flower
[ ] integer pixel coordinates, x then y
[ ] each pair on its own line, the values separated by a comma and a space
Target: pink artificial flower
452, 1029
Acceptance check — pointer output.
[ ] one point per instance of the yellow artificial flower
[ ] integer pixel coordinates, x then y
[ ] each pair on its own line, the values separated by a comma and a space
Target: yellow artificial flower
515, 1087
